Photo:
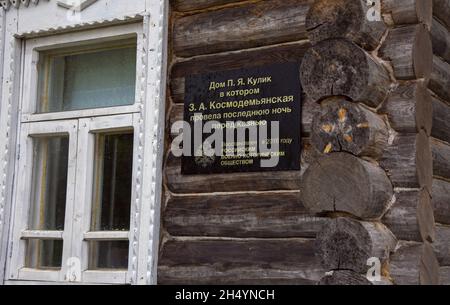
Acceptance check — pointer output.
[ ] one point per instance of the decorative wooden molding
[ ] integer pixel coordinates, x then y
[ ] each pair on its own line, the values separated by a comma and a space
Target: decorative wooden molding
6, 4
77, 5
153, 118
81, 26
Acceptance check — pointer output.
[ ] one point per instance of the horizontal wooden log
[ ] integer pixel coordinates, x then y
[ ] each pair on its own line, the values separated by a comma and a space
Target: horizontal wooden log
441, 201
344, 183
290, 261
411, 216
410, 52
414, 264
441, 40
441, 158
440, 79
262, 181
339, 67
442, 245
309, 108
407, 11
441, 120
249, 26
441, 9
190, 184
342, 125
409, 162
347, 244
444, 276
409, 108
344, 19
193, 5
262, 215
344, 277
290, 52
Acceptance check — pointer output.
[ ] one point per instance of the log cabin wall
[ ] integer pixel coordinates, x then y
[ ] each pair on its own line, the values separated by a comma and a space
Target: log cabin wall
366, 181
440, 90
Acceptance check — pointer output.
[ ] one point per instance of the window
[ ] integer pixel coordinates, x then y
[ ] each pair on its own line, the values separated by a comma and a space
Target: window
87, 78
74, 189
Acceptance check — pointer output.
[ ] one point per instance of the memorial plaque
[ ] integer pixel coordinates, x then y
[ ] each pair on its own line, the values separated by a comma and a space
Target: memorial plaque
245, 120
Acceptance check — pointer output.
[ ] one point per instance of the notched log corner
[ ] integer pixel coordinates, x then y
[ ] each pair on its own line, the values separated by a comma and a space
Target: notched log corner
343, 19
348, 244
340, 67
341, 182
410, 52
342, 125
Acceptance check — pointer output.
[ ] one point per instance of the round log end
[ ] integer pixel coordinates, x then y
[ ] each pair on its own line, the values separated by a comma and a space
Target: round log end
345, 126
425, 217
423, 53
339, 67
424, 113
424, 161
424, 10
343, 19
347, 244
341, 182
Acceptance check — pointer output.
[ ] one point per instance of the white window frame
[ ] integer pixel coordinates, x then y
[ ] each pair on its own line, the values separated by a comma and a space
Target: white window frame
103, 35
81, 151
21, 234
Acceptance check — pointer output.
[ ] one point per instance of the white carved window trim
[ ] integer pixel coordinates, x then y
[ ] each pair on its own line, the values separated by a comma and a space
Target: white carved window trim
86, 122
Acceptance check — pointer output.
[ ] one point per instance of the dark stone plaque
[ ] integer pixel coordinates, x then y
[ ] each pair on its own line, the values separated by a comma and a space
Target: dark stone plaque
257, 114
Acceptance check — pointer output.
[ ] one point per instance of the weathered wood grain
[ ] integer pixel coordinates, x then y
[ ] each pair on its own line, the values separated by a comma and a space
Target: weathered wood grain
290, 52
408, 11
441, 201
414, 264
342, 125
410, 52
408, 161
190, 184
347, 244
442, 245
441, 9
344, 277
409, 108
441, 158
441, 40
289, 261
193, 5
444, 276
262, 215
343, 19
249, 26
441, 120
342, 182
411, 216
339, 67
440, 79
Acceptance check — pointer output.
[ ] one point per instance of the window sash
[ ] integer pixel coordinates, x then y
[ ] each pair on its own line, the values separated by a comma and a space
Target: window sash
23, 200
82, 233
77, 233
76, 40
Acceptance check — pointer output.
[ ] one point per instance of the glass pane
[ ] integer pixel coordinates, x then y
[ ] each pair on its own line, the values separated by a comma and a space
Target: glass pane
48, 201
97, 79
112, 182
44, 254
108, 255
